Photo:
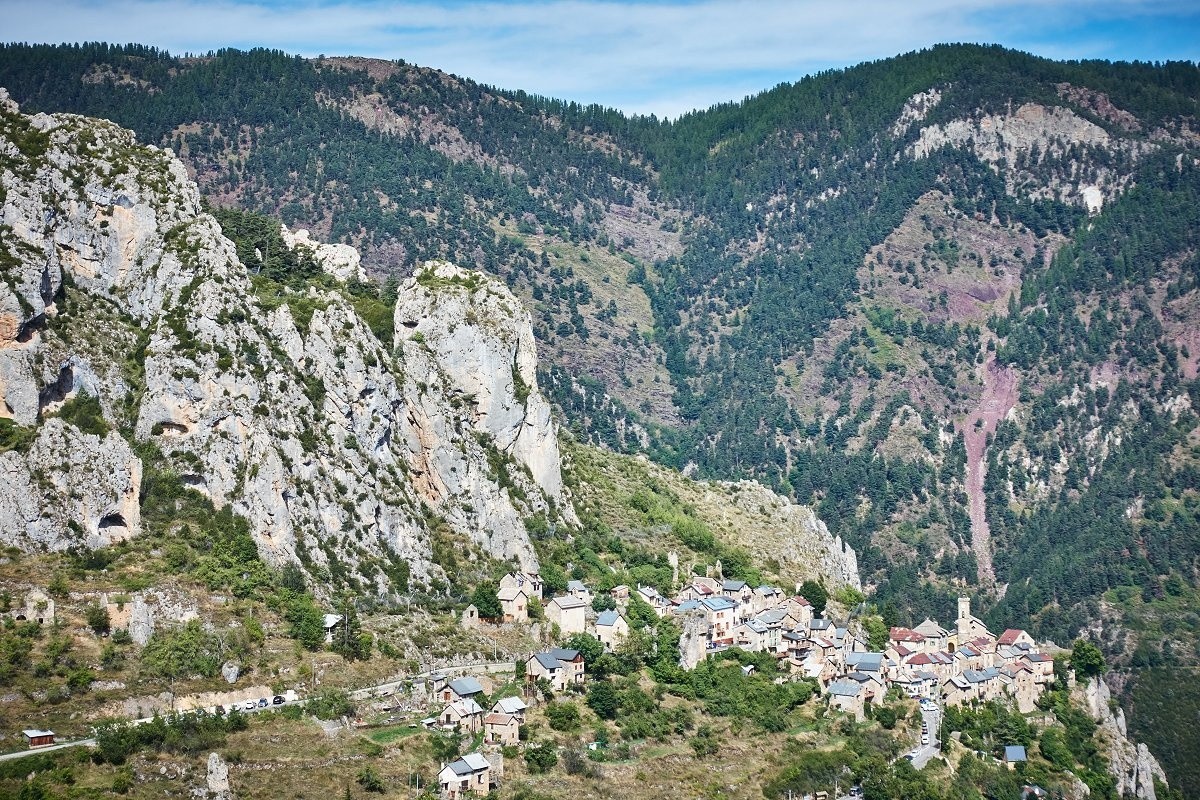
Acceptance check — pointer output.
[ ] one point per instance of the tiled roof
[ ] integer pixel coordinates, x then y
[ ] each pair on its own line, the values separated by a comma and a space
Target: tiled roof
607, 619
465, 687
548, 660
1010, 636
511, 705
718, 603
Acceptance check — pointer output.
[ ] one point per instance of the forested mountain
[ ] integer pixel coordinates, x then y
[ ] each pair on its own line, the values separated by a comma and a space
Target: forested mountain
949, 298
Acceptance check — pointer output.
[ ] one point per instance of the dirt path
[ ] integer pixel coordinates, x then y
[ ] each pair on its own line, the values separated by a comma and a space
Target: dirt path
998, 398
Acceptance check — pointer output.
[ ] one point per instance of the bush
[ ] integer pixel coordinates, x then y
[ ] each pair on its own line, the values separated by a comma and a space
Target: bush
370, 780
563, 716
178, 733
331, 704
183, 652
602, 699
541, 758
97, 619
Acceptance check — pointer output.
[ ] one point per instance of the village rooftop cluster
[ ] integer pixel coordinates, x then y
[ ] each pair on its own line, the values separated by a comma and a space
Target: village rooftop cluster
927, 662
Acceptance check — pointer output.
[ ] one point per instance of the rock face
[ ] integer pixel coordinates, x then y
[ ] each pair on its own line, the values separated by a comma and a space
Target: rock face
337, 447
339, 260
1063, 143
798, 539
71, 488
1133, 767
217, 779
482, 343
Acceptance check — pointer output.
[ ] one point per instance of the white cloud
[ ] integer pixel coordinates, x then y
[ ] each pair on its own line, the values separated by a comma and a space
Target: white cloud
657, 56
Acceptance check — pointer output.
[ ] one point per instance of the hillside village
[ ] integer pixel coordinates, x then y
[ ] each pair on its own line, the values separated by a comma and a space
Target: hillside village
952, 667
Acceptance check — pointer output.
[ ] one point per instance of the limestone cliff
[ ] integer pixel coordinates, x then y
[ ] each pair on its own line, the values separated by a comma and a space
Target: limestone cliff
1134, 769
1074, 152
343, 451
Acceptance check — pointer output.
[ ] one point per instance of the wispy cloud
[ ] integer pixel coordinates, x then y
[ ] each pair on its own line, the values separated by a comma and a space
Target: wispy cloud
660, 56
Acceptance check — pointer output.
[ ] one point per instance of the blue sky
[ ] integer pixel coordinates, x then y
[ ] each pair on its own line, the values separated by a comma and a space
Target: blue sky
643, 56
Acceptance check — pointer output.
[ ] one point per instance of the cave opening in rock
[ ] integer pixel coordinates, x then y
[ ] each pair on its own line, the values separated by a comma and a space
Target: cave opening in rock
30, 328
169, 429
113, 521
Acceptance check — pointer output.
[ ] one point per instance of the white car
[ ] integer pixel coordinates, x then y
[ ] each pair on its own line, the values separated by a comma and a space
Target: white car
250, 705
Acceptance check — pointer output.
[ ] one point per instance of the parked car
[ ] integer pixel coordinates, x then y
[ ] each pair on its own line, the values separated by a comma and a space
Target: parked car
263, 702
277, 700
249, 705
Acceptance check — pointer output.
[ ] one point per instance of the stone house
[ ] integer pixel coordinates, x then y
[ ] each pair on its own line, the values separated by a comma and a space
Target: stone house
512, 706
1014, 637
514, 603
463, 715
501, 729
561, 667
470, 774
531, 582
767, 597
470, 618
698, 589
580, 591
1042, 666
611, 629
936, 637
721, 619
568, 613
1017, 681
451, 689
741, 594
38, 607
655, 600
846, 695
800, 612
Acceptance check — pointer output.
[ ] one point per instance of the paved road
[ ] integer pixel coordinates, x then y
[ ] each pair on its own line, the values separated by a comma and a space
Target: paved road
396, 682
59, 746
378, 690
932, 717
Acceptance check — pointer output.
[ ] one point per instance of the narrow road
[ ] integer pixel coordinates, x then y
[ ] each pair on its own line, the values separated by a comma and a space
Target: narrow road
932, 717
998, 398
51, 748
368, 692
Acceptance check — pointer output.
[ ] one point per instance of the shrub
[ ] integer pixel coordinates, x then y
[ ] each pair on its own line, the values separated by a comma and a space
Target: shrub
563, 716
331, 704
541, 758
97, 619
370, 780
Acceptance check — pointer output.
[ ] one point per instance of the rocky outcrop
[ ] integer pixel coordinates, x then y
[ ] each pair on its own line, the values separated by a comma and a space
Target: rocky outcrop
1042, 152
339, 260
1132, 766
793, 535
482, 344
71, 489
216, 780
337, 448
